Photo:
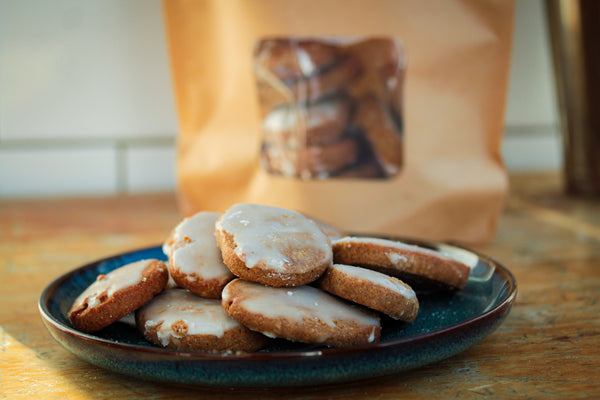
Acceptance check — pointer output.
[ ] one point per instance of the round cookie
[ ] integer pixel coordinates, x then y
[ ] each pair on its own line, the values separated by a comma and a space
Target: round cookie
382, 61
195, 261
374, 118
316, 125
331, 232
118, 293
272, 245
312, 161
331, 81
292, 59
371, 289
303, 314
417, 266
180, 320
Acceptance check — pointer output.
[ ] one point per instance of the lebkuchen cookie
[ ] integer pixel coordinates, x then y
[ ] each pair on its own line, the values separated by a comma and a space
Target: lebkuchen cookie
180, 320
417, 266
272, 245
195, 261
118, 293
371, 289
303, 314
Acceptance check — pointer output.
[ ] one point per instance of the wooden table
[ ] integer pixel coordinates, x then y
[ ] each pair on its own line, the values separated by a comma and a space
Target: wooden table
548, 347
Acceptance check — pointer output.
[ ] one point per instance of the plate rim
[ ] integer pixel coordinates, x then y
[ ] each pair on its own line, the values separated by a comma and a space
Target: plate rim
506, 301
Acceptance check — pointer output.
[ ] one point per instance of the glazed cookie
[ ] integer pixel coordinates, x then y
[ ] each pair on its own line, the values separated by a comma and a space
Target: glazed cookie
382, 63
380, 130
316, 125
272, 245
330, 231
330, 82
195, 261
303, 314
292, 58
371, 289
118, 293
179, 320
417, 266
312, 161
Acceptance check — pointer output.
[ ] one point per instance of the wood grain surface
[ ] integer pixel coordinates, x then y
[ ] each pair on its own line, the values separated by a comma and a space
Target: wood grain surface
548, 347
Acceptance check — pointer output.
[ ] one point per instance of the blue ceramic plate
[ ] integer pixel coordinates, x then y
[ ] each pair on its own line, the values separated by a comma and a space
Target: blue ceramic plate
447, 324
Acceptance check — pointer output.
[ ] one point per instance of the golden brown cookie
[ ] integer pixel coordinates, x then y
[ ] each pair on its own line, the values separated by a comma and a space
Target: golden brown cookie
330, 82
415, 265
289, 58
382, 64
118, 293
371, 289
303, 314
297, 126
179, 320
380, 130
195, 261
330, 231
310, 162
272, 245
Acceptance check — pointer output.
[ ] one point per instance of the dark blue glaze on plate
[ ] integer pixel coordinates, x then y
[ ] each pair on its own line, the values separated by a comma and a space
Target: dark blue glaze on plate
447, 324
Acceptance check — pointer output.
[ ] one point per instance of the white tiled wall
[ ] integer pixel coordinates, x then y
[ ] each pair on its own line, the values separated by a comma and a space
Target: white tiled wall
86, 105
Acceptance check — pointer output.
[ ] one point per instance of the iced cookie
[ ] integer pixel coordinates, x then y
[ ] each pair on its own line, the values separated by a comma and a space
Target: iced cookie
330, 82
312, 161
382, 63
195, 261
180, 320
371, 289
415, 265
118, 293
316, 125
330, 231
380, 130
303, 314
295, 58
272, 245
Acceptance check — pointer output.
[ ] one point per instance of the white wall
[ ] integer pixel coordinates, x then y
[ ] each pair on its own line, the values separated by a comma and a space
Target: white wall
86, 104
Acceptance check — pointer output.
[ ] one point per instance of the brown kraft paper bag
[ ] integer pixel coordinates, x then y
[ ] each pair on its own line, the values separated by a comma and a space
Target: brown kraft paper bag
451, 183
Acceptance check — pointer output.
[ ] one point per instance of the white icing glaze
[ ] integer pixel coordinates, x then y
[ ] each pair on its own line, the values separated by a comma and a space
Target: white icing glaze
394, 258
377, 278
120, 278
264, 235
202, 316
287, 117
307, 66
195, 250
297, 304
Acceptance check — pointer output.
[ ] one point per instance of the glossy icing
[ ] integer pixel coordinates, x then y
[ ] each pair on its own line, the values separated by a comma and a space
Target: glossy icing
106, 285
195, 251
173, 307
275, 238
395, 258
377, 278
287, 118
296, 305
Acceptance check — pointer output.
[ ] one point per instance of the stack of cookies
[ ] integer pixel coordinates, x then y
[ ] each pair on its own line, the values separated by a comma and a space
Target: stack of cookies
258, 272
330, 109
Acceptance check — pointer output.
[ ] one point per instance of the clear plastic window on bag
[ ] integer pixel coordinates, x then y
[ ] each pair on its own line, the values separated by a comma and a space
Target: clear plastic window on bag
331, 107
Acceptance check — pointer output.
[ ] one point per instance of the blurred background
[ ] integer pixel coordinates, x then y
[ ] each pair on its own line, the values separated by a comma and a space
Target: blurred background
86, 105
